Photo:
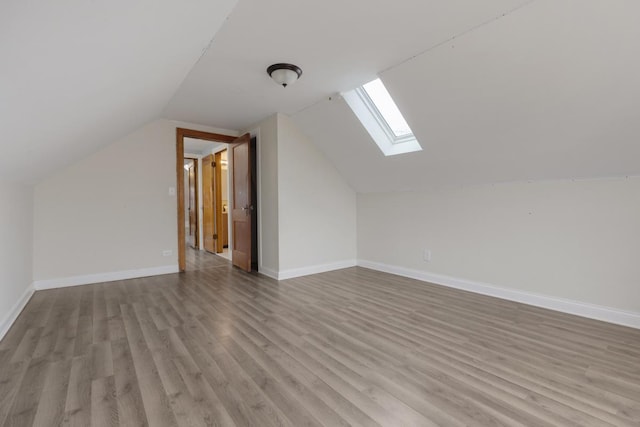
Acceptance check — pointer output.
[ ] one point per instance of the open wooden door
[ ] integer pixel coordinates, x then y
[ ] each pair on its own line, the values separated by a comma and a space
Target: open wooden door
181, 134
242, 208
218, 201
208, 212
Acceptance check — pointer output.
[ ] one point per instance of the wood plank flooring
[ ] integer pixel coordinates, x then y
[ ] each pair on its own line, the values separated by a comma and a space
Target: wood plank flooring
216, 346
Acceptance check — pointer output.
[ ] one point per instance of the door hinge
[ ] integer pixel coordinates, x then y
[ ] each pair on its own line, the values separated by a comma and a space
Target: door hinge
215, 237
213, 164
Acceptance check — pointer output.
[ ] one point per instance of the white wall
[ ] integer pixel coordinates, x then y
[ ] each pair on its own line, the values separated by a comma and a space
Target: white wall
316, 207
16, 250
111, 213
577, 240
307, 214
266, 133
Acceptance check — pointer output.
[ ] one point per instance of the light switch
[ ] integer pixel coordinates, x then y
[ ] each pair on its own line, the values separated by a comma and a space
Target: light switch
172, 191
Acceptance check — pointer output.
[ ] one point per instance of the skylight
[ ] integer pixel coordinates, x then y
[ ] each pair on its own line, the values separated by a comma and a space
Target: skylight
388, 109
381, 117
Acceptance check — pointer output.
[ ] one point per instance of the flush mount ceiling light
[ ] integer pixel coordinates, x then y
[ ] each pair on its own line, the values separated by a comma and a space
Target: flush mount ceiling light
284, 74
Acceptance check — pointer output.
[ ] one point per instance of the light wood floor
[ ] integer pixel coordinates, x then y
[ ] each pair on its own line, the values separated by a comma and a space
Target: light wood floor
221, 347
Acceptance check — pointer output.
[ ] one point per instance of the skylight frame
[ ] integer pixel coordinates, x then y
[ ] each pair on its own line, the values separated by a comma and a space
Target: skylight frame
376, 125
378, 112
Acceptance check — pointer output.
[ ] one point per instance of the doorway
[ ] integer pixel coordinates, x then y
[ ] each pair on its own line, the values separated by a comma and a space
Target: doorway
215, 196
204, 207
191, 183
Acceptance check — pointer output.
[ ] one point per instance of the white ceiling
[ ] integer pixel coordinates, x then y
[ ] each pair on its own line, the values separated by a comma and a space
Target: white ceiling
498, 90
338, 44
199, 147
76, 75
549, 91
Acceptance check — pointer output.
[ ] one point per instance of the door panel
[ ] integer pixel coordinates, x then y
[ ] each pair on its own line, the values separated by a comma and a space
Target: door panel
208, 214
242, 209
218, 201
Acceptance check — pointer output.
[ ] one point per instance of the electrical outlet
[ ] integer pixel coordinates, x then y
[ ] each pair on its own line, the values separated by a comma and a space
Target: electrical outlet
167, 252
426, 255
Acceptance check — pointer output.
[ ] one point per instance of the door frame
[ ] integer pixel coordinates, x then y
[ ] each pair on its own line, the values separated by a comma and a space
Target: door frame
243, 259
182, 133
197, 207
208, 204
217, 198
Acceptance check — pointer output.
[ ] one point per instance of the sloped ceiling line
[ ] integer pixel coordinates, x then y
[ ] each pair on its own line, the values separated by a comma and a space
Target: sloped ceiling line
459, 35
541, 94
78, 75
470, 30
337, 51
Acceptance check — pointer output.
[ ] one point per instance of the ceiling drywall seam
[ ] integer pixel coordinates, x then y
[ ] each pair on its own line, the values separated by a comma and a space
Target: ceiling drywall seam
430, 48
463, 33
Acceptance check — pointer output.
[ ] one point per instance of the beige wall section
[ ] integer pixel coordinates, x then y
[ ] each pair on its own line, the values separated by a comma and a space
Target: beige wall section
305, 203
266, 133
16, 249
577, 240
316, 207
111, 211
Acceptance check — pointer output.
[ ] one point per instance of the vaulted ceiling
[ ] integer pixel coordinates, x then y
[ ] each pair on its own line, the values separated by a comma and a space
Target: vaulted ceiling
497, 90
550, 91
76, 75
338, 44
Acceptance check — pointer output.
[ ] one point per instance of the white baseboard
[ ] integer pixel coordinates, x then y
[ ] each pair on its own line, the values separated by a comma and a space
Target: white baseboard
64, 282
592, 311
268, 272
15, 311
314, 269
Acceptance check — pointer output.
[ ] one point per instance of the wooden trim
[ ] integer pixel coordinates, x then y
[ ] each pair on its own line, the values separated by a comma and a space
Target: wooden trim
218, 200
208, 136
208, 203
182, 133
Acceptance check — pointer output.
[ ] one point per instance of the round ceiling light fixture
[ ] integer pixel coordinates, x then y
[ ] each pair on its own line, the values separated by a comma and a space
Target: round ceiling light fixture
284, 74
